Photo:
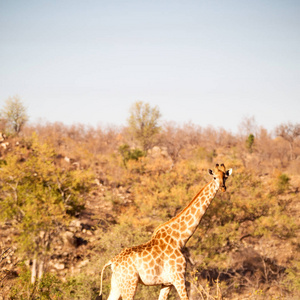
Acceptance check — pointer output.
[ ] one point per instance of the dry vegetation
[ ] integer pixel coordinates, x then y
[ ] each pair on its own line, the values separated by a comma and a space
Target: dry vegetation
73, 196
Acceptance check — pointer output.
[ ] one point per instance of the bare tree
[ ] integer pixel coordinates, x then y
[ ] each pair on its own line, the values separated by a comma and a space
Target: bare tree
248, 126
290, 133
174, 138
14, 113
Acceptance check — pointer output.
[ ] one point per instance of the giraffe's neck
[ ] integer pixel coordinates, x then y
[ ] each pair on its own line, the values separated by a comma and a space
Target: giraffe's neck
182, 227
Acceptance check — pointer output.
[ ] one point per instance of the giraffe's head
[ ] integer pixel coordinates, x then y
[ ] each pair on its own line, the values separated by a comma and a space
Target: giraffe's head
220, 175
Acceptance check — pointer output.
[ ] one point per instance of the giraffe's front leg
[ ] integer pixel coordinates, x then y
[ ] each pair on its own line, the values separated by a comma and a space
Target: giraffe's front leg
164, 292
179, 284
177, 274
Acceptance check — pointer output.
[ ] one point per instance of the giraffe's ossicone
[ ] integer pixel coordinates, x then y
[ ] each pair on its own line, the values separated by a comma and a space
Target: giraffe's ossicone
160, 260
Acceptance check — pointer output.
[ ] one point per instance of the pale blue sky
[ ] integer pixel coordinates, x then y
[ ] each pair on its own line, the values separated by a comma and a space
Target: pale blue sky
208, 62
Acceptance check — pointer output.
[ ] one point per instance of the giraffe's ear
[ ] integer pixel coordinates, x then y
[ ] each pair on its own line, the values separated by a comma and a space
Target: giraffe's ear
228, 172
210, 172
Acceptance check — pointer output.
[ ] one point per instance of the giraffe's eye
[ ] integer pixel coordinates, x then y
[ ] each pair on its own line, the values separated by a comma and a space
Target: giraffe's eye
215, 178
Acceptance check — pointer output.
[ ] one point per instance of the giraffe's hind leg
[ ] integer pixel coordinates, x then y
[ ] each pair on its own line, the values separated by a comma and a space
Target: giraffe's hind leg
115, 293
164, 292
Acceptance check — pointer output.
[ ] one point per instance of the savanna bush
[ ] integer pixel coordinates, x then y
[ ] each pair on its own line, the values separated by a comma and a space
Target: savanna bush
40, 198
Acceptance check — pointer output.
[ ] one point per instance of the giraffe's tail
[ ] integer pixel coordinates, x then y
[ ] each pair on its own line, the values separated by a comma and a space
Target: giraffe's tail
99, 297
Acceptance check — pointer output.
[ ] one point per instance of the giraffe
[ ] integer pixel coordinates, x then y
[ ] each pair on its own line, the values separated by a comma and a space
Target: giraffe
160, 260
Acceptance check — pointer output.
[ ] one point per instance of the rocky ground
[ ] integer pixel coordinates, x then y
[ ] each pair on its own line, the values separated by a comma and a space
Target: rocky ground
257, 258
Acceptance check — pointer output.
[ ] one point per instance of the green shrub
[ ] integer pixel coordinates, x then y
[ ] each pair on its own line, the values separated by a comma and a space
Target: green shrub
130, 154
292, 280
283, 183
250, 143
